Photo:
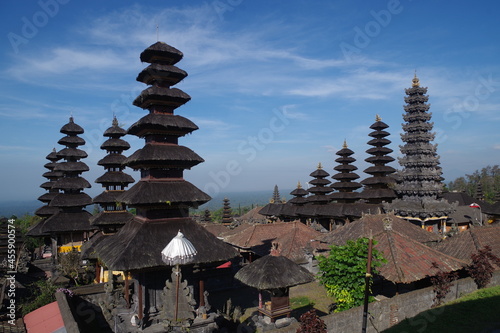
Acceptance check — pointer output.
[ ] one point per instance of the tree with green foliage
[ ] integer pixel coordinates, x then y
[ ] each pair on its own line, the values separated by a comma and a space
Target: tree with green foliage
41, 293
488, 177
23, 224
343, 272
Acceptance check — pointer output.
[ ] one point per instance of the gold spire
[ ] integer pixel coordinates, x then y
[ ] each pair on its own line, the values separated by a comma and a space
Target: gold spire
345, 144
415, 81
320, 166
377, 118
298, 184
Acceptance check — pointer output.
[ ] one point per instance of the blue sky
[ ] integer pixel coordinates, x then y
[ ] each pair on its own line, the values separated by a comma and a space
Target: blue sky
276, 87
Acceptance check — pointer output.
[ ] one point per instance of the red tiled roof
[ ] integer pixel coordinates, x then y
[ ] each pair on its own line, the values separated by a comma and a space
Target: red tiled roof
465, 243
46, 319
292, 237
375, 225
409, 260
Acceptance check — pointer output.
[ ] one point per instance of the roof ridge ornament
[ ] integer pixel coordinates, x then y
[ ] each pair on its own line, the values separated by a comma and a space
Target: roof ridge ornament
378, 118
345, 144
415, 81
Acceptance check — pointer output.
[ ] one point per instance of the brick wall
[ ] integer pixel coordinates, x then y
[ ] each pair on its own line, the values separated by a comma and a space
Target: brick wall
388, 312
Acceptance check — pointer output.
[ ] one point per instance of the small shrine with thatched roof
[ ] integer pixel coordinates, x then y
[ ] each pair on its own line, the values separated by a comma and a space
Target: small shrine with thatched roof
274, 275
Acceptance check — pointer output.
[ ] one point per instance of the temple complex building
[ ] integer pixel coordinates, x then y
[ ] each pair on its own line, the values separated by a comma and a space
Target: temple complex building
420, 187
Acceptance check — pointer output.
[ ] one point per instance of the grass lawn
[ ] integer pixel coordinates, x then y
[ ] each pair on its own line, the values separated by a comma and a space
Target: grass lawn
476, 312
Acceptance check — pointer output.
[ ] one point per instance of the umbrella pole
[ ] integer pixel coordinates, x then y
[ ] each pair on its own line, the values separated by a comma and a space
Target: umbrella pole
176, 293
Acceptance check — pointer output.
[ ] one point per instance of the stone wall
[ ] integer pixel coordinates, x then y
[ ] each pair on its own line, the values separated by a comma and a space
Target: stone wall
388, 312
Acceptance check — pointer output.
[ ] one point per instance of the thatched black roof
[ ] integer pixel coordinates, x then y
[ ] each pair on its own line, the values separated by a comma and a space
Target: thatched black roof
52, 156
71, 200
154, 123
138, 244
170, 156
37, 229
168, 75
112, 159
87, 251
164, 192
71, 128
52, 174
115, 130
273, 272
71, 167
115, 177
67, 183
107, 197
46, 211
68, 222
71, 153
115, 144
156, 96
47, 197
71, 141
161, 52
111, 218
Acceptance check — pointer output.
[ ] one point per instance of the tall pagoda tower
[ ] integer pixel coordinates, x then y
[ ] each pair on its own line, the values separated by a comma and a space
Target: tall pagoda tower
114, 214
52, 176
276, 195
70, 226
227, 216
378, 186
46, 210
298, 196
162, 197
345, 178
420, 187
320, 187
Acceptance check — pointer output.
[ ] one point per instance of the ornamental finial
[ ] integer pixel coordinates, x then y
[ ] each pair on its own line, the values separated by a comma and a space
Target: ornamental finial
415, 81
298, 185
378, 118
115, 121
320, 166
345, 144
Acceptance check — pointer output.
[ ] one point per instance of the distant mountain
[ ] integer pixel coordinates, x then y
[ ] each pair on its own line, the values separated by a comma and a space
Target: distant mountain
19, 208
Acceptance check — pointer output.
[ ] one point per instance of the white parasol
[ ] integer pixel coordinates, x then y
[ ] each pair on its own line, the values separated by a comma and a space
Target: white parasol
179, 251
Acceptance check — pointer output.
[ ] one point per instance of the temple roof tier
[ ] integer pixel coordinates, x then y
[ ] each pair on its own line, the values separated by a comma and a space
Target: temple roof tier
158, 96
167, 192
164, 75
155, 123
172, 156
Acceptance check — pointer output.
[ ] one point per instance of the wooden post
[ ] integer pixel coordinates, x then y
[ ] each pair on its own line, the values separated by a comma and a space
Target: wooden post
127, 291
139, 295
367, 283
202, 292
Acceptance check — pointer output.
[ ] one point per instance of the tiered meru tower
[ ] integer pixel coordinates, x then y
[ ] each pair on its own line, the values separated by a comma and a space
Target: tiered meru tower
320, 189
47, 210
379, 187
162, 197
69, 227
114, 214
419, 188
345, 178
